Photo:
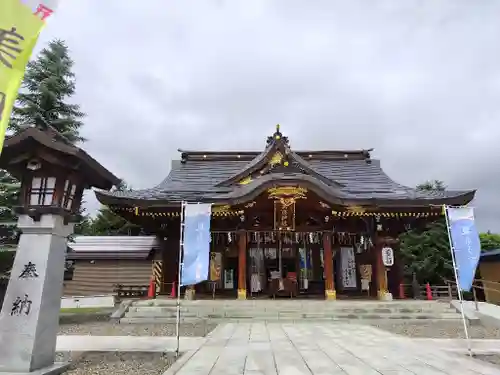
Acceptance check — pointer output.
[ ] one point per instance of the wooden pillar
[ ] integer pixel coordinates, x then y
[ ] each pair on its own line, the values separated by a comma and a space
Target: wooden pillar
170, 257
330, 293
242, 264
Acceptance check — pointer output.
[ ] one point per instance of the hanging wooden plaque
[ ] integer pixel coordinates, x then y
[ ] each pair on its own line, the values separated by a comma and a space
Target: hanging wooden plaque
284, 214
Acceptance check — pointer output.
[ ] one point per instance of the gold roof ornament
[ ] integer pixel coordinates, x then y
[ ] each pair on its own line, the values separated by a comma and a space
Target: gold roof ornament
278, 192
276, 159
246, 180
277, 135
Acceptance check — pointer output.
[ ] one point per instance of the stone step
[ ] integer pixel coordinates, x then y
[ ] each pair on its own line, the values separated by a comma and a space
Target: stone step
343, 318
229, 311
292, 303
160, 311
322, 307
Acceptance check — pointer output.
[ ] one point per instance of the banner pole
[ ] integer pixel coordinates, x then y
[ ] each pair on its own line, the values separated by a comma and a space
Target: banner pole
459, 290
179, 278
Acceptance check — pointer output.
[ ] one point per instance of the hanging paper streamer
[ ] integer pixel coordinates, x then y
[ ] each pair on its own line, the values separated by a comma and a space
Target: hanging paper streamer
20, 25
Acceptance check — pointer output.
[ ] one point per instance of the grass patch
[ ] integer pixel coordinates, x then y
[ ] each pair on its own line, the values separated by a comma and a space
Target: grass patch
82, 310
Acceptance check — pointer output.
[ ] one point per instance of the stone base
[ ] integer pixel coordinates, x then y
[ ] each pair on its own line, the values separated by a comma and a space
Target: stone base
55, 369
189, 294
330, 295
384, 295
242, 294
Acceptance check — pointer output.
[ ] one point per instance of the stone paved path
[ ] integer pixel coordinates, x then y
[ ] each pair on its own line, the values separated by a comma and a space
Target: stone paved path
319, 349
479, 346
126, 343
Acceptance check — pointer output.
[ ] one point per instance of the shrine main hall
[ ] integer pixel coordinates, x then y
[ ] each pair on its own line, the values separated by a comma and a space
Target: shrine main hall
296, 224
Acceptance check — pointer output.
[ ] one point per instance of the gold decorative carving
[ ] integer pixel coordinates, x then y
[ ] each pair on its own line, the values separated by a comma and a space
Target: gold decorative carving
276, 159
221, 209
356, 209
246, 180
226, 210
323, 205
284, 214
278, 192
251, 204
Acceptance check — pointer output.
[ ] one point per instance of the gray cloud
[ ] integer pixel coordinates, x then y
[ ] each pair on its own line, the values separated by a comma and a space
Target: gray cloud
418, 81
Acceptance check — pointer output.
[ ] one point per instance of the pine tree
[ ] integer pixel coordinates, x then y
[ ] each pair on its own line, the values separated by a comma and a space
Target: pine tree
107, 223
48, 83
9, 197
427, 252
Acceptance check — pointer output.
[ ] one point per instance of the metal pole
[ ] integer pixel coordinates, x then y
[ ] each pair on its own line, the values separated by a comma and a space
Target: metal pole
179, 278
459, 290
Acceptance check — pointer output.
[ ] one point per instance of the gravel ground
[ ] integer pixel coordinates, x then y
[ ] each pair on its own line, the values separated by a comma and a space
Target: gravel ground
103, 328
439, 330
116, 363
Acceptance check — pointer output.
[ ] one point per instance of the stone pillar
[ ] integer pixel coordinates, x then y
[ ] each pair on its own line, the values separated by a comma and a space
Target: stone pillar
330, 293
382, 291
29, 320
242, 265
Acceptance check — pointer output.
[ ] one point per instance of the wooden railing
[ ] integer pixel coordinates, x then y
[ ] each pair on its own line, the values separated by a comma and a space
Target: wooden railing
130, 291
435, 292
478, 284
440, 292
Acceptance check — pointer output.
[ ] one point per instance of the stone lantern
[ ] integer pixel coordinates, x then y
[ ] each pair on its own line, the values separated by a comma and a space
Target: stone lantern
53, 174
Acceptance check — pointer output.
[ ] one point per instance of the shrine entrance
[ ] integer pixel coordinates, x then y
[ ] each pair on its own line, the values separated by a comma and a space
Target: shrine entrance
284, 264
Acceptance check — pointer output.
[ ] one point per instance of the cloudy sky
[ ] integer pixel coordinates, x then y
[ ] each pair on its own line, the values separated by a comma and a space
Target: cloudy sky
419, 81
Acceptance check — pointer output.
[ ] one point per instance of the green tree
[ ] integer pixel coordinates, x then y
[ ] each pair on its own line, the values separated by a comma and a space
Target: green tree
9, 197
427, 252
108, 223
42, 102
432, 185
84, 227
489, 241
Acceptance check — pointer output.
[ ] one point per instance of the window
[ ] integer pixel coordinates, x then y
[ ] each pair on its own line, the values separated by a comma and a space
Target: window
69, 195
42, 191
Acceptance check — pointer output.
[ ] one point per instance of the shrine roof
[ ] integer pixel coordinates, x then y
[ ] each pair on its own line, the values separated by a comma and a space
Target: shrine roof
340, 177
111, 247
26, 143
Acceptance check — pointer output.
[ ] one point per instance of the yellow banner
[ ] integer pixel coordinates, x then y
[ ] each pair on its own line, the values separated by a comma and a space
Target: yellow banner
19, 30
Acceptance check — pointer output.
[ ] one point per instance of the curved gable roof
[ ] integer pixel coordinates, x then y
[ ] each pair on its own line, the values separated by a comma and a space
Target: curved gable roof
344, 177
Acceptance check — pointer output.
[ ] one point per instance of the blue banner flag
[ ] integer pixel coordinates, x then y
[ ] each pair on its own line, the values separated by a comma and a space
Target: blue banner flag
465, 244
196, 256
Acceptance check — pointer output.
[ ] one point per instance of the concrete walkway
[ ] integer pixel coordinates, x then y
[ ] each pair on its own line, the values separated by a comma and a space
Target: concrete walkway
479, 346
485, 312
126, 343
319, 349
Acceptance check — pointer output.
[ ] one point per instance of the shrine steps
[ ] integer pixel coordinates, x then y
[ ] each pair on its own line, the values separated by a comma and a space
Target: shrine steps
164, 311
